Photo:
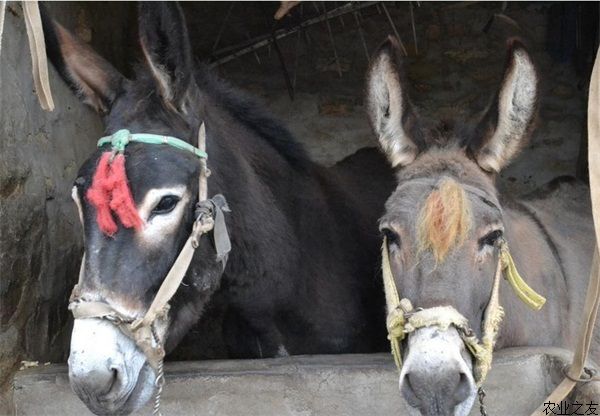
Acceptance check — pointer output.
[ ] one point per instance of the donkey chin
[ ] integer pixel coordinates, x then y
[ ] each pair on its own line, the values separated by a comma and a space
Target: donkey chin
107, 370
436, 378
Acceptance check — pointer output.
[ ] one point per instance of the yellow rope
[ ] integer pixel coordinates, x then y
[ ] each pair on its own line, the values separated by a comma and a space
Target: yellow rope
395, 317
529, 296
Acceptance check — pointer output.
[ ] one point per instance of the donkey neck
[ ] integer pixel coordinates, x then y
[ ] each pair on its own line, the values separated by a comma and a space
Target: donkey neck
546, 250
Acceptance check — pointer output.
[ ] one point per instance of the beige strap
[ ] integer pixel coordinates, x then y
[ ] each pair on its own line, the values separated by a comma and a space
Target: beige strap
37, 48
88, 310
592, 298
203, 184
169, 286
159, 306
2, 11
285, 8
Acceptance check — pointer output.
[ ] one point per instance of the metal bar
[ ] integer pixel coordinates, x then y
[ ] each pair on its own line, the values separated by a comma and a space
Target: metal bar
286, 75
335, 54
394, 27
265, 40
296, 53
362, 36
254, 52
297, 50
314, 3
222, 26
414, 29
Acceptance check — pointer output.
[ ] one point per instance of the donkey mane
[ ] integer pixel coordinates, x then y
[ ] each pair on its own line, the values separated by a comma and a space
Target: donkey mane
253, 114
448, 132
240, 106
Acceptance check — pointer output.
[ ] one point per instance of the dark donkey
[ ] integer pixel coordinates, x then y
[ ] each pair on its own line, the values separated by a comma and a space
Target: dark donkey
446, 226
298, 279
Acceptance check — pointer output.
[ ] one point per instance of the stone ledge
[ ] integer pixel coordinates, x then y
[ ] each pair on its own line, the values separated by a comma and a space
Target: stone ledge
331, 385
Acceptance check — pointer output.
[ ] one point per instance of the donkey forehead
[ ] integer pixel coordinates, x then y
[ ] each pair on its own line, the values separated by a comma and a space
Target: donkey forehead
405, 203
140, 106
149, 167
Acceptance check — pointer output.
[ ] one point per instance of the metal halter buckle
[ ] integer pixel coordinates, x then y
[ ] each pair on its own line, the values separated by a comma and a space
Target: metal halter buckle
588, 374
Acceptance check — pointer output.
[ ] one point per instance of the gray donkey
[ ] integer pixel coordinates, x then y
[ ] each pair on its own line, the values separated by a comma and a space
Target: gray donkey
446, 222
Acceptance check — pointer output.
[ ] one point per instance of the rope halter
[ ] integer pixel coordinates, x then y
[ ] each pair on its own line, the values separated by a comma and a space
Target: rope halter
403, 319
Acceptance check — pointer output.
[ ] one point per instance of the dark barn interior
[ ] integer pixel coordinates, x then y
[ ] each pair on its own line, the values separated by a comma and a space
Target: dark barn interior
309, 69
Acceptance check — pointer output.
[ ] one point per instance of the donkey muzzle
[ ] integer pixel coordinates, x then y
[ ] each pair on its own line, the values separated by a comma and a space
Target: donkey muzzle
107, 370
437, 376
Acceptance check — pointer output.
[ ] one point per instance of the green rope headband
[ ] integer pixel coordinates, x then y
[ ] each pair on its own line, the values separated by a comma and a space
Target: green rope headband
121, 138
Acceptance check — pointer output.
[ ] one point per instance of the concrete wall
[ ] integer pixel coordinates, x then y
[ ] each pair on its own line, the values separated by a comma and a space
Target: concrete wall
332, 385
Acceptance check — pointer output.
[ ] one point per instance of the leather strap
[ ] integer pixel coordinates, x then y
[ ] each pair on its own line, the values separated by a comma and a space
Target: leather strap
2, 12
37, 48
159, 306
204, 172
592, 299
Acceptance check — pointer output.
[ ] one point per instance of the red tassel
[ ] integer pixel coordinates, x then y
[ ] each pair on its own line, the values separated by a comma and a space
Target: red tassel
121, 200
99, 195
110, 193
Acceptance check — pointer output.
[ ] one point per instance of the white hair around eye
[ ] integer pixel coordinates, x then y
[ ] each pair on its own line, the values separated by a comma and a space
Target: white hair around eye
75, 198
160, 224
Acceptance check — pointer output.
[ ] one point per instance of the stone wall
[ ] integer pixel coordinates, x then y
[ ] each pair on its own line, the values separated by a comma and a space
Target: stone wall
40, 243
455, 72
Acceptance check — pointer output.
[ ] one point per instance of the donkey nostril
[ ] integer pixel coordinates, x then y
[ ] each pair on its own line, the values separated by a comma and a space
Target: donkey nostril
408, 391
446, 386
97, 382
463, 388
113, 378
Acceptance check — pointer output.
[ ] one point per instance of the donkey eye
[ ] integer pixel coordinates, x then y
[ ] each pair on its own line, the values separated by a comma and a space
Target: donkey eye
391, 237
166, 204
490, 238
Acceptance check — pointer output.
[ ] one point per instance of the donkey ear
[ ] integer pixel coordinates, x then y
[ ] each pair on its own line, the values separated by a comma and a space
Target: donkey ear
392, 116
90, 76
166, 46
507, 124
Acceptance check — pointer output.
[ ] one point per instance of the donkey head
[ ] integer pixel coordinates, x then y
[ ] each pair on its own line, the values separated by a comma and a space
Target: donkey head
442, 223
124, 266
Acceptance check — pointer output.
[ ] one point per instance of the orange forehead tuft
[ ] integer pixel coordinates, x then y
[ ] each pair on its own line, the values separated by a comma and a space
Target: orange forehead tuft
444, 220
